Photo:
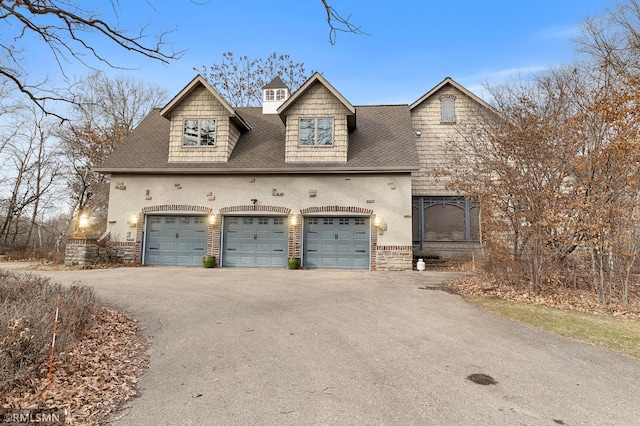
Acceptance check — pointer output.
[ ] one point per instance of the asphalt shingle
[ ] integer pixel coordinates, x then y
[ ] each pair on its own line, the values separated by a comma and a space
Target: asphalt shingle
382, 141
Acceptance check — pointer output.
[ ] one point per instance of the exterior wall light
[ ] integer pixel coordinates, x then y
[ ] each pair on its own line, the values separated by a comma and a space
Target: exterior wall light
380, 226
293, 219
212, 219
133, 220
83, 222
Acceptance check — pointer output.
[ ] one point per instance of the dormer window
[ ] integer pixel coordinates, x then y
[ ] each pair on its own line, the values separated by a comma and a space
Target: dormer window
199, 133
316, 131
448, 109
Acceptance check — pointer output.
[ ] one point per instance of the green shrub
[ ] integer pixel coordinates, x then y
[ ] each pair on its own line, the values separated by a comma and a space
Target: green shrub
27, 314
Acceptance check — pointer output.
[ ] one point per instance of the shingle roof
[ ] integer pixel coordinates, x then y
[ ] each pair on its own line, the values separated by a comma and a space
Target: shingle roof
383, 141
276, 83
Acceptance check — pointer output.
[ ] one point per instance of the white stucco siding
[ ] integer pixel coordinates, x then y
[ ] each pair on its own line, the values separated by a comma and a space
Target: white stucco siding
389, 196
435, 136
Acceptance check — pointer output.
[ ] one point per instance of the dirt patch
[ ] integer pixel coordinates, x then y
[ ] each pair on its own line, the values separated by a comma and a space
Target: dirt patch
481, 379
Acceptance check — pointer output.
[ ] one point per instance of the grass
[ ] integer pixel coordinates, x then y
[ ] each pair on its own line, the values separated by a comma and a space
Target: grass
27, 314
615, 333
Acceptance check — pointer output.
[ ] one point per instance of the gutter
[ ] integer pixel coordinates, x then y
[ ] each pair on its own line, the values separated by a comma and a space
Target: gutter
233, 171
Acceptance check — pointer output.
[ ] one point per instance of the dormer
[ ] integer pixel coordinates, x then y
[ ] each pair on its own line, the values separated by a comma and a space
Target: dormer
318, 120
274, 94
204, 127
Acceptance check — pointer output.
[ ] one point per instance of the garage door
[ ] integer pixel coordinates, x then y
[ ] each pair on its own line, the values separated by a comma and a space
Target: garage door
336, 242
175, 240
255, 241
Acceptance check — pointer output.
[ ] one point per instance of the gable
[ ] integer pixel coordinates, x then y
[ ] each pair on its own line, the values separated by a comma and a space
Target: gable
203, 126
317, 103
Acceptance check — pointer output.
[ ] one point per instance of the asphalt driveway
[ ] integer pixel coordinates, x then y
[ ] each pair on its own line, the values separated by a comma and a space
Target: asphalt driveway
279, 347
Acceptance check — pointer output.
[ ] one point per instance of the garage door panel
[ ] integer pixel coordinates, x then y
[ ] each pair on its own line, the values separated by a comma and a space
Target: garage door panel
344, 262
328, 235
344, 248
361, 263
184, 246
336, 242
344, 235
328, 248
175, 240
261, 241
361, 235
263, 235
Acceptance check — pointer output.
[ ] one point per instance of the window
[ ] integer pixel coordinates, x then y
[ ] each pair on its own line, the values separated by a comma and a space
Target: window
199, 133
316, 131
448, 109
269, 95
280, 94
444, 219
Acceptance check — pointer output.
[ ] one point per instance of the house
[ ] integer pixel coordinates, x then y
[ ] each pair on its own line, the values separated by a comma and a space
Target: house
307, 175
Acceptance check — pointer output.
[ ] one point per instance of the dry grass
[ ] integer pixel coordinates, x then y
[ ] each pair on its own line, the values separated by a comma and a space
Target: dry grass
27, 313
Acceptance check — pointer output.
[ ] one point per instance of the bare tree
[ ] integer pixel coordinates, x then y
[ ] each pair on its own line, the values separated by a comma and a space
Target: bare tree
31, 156
107, 110
240, 79
72, 32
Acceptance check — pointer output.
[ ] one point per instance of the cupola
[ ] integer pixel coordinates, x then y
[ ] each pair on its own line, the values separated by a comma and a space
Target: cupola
273, 95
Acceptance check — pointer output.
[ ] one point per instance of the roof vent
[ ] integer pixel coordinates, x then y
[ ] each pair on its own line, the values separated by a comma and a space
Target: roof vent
273, 95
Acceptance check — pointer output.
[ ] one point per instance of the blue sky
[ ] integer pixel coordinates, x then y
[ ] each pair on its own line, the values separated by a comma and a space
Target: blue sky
411, 45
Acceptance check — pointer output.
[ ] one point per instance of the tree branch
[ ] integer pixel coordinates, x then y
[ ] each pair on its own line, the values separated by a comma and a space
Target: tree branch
337, 23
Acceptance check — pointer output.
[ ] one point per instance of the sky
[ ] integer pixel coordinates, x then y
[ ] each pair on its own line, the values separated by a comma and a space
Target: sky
410, 45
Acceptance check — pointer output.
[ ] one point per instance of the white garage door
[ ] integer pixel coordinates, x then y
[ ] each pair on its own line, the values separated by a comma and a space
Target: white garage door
175, 240
255, 241
337, 242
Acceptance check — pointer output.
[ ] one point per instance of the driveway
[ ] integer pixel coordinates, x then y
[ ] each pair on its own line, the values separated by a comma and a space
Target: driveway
280, 347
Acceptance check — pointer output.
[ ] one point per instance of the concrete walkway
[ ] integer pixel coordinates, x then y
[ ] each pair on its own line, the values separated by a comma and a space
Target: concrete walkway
279, 347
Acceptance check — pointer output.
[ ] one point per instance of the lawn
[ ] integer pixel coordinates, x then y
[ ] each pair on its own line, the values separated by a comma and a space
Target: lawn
615, 333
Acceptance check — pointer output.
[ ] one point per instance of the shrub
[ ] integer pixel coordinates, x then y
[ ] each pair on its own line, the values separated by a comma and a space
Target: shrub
27, 314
